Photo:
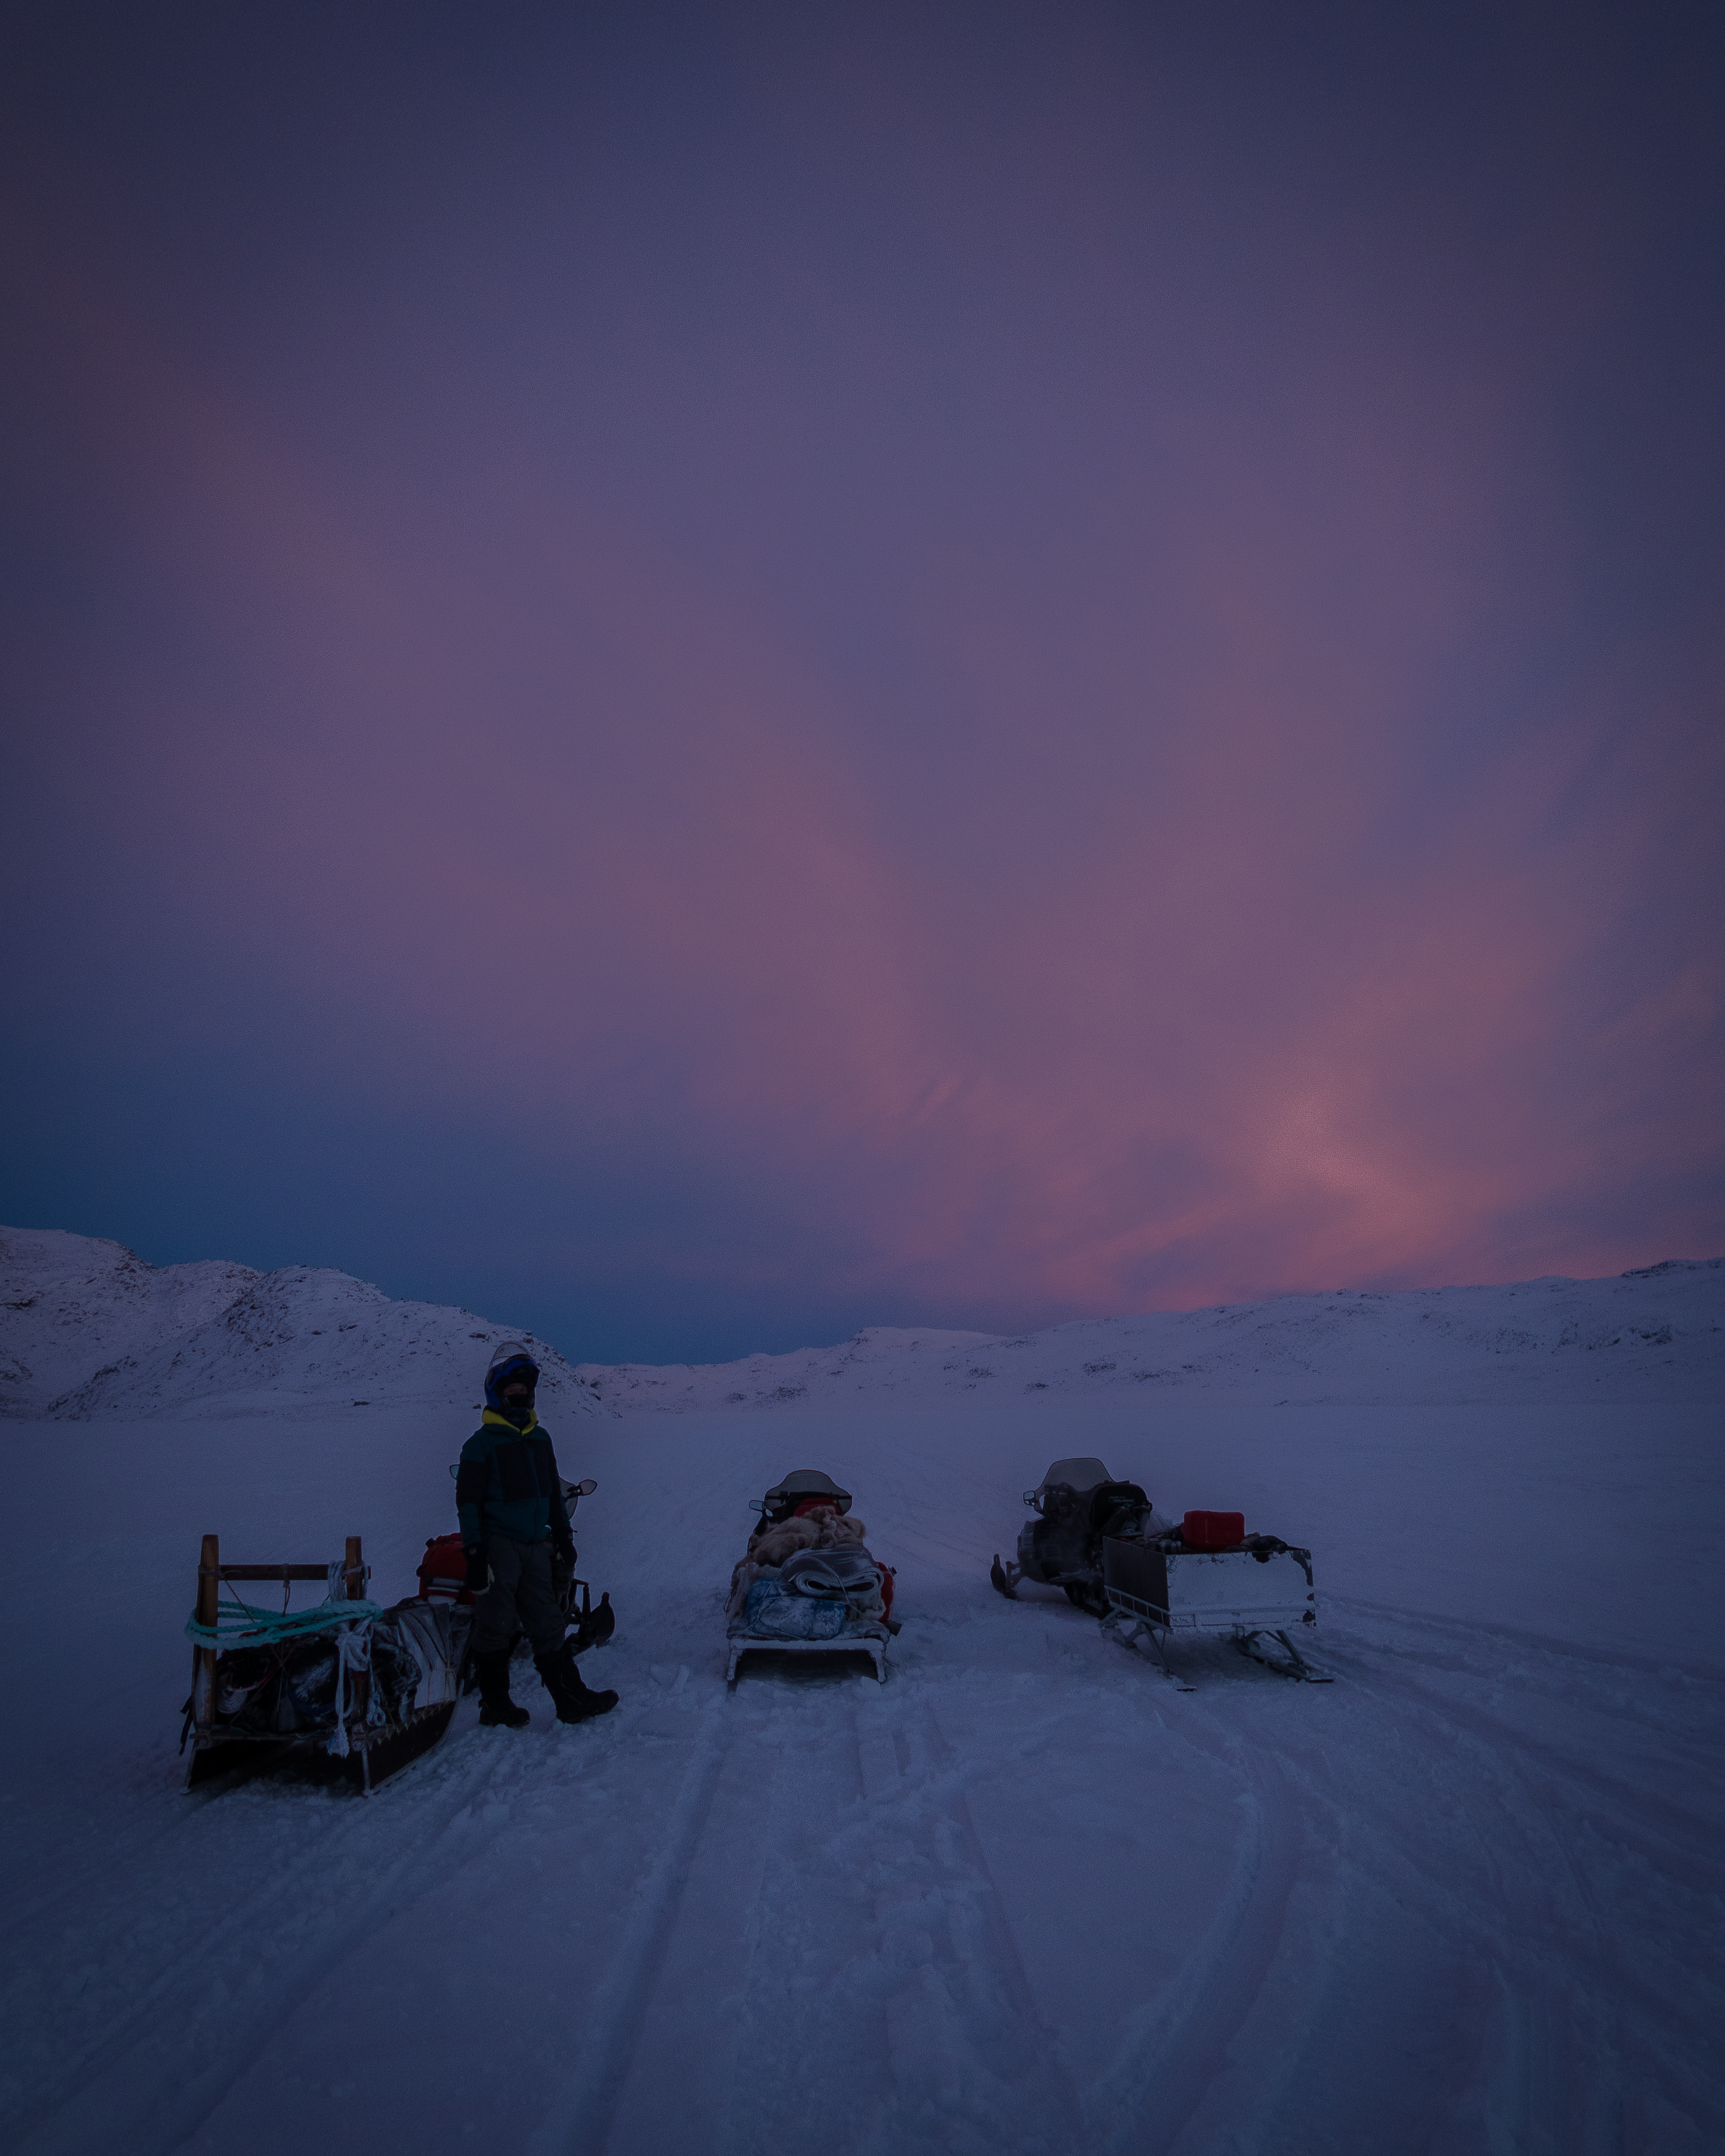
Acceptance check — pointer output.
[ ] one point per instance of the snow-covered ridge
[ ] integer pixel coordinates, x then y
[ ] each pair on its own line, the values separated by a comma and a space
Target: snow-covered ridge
1655, 1333
88, 1328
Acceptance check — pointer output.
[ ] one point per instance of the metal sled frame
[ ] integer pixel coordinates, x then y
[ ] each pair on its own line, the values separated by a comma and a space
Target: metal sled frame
1247, 1623
1153, 1624
874, 1649
374, 1752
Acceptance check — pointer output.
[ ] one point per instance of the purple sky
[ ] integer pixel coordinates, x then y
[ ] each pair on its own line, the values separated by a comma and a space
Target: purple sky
701, 675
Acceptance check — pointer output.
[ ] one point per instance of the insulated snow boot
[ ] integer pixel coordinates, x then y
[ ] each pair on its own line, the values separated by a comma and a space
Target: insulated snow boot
592, 1702
572, 1698
497, 1710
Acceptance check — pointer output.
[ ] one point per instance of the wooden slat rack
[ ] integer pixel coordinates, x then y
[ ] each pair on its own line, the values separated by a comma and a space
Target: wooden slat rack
218, 1749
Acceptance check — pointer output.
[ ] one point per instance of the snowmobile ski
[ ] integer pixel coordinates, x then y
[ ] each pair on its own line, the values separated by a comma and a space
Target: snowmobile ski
1142, 1630
1290, 1664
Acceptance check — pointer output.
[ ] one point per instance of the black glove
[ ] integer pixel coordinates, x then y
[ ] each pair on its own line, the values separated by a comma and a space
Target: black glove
479, 1572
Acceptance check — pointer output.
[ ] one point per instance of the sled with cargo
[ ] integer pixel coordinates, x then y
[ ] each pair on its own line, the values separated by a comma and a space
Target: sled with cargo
343, 1689
808, 1588
1105, 1545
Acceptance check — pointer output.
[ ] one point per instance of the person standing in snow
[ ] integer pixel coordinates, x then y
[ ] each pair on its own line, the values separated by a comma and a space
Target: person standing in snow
510, 1499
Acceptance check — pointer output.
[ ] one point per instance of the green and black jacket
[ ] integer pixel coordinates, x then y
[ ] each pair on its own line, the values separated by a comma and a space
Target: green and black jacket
507, 1484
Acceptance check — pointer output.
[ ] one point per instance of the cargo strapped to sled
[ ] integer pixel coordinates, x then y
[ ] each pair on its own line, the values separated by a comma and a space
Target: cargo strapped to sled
366, 1736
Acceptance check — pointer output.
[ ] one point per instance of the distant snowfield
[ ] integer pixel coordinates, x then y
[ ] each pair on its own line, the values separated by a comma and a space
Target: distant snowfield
1022, 1897
1658, 1333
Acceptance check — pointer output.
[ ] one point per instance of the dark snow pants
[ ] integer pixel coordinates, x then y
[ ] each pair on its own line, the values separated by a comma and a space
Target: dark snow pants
520, 1597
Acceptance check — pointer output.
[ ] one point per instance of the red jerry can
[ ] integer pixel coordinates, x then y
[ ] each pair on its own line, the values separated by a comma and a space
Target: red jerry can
443, 1570
1212, 1531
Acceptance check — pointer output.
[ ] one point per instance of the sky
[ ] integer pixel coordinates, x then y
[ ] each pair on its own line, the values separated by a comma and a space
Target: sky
700, 676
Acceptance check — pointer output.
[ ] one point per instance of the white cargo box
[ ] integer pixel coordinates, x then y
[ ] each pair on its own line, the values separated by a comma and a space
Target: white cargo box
1235, 1591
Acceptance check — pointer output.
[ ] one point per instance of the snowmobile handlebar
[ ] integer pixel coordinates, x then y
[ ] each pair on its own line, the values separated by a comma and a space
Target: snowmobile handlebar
573, 1493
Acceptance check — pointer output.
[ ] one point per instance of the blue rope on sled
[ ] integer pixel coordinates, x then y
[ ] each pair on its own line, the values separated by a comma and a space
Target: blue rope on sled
238, 1622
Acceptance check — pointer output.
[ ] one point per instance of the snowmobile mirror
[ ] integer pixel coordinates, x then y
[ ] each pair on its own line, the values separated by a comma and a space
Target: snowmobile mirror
586, 1488
1029, 1495
758, 1504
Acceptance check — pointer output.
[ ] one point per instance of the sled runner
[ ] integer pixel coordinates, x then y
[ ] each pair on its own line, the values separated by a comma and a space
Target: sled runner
344, 1687
822, 1649
1113, 1553
808, 1586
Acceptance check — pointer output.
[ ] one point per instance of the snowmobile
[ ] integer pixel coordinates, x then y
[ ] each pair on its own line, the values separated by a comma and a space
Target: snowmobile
443, 1577
1076, 1504
807, 1585
1117, 1556
593, 1627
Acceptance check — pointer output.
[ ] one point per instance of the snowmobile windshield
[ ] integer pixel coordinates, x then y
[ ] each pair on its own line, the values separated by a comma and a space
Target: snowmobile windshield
1079, 1475
798, 1488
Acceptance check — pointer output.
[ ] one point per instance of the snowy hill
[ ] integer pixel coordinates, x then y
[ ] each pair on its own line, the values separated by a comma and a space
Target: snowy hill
87, 1328
1656, 1333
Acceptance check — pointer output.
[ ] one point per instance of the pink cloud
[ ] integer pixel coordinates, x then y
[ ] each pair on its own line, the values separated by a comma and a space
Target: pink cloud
1203, 943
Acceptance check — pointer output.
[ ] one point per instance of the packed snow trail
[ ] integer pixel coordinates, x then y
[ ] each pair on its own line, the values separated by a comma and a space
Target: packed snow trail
1023, 1897
1196, 1918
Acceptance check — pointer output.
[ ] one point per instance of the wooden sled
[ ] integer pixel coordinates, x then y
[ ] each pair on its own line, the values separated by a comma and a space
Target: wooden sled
375, 1750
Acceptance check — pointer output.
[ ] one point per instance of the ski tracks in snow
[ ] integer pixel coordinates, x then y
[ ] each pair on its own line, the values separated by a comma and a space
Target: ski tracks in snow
972, 2068
818, 1947
229, 1920
1569, 1856
1471, 1916
1022, 1899
1175, 2046
610, 2044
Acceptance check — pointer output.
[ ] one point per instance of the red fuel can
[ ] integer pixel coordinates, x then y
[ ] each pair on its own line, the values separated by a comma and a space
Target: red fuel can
1213, 1529
443, 1571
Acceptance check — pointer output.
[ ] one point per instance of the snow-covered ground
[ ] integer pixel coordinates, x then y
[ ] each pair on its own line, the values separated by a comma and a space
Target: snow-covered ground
1024, 1896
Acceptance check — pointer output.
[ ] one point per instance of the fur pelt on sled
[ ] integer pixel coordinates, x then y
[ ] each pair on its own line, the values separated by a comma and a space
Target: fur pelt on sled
821, 1528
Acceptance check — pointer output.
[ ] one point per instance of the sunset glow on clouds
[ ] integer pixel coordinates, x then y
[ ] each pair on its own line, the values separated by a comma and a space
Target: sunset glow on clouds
703, 679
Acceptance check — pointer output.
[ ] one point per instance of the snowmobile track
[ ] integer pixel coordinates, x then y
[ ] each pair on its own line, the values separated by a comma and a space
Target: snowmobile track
972, 2067
1531, 1809
167, 2104
1175, 2050
923, 1999
580, 2122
